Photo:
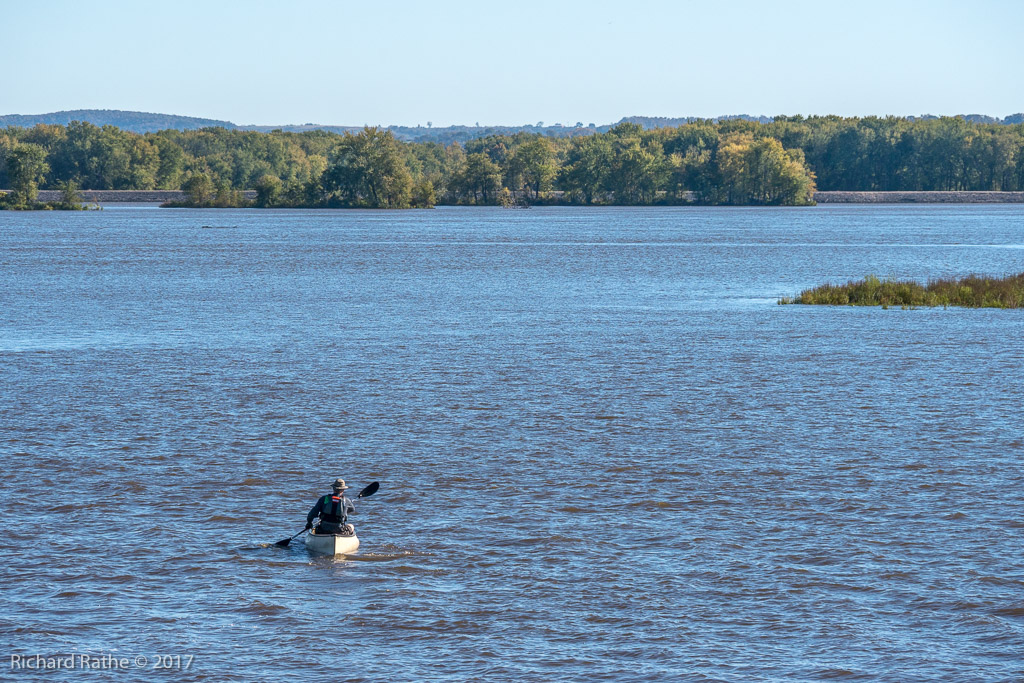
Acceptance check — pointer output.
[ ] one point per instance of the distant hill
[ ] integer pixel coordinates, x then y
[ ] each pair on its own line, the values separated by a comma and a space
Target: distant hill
134, 121
444, 135
142, 122
290, 128
450, 134
651, 122
975, 118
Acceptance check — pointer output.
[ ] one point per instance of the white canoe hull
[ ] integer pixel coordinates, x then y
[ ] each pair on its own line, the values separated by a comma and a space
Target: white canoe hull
326, 544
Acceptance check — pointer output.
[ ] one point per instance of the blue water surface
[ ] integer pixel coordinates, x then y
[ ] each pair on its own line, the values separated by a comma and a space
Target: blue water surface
605, 452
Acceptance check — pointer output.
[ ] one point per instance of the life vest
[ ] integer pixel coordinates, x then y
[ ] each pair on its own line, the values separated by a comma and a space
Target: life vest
333, 509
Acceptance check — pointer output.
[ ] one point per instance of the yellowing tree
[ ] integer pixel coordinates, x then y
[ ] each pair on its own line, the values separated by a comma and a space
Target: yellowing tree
762, 172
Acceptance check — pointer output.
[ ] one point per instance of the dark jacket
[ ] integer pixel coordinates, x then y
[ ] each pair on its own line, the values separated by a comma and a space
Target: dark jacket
333, 508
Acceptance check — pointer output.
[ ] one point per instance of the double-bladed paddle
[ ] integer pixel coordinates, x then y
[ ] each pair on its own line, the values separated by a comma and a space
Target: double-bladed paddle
368, 491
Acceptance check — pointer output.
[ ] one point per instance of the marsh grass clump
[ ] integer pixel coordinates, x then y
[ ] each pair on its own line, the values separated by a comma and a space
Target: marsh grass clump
973, 291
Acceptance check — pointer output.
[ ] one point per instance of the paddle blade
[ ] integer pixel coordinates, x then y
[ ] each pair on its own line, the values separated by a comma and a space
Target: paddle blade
369, 490
285, 542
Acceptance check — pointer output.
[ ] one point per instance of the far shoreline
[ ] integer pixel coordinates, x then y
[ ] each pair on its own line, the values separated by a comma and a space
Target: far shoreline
820, 197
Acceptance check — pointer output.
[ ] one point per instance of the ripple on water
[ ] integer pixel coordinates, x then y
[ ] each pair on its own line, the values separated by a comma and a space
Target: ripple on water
605, 454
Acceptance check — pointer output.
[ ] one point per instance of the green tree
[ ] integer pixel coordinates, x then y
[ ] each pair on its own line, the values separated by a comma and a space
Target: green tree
69, 196
144, 164
268, 190
762, 172
423, 195
199, 190
6, 144
171, 164
691, 151
480, 179
26, 167
536, 161
453, 168
588, 160
368, 170
226, 196
993, 158
639, 168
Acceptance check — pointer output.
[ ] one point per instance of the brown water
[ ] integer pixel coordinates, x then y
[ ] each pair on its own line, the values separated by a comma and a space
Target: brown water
604, 452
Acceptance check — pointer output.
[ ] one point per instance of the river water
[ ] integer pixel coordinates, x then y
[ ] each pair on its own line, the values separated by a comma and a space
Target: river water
605, 453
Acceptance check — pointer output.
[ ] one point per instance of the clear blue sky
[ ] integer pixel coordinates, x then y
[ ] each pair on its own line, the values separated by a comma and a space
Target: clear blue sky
461, 62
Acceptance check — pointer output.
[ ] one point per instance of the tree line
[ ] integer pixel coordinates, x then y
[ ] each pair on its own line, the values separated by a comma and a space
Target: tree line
736, 162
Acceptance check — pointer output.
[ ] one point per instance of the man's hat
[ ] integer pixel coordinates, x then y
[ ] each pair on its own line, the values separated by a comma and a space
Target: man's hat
339, 485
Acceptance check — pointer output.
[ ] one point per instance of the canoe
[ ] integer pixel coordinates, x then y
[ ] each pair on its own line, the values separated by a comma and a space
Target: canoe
333, 544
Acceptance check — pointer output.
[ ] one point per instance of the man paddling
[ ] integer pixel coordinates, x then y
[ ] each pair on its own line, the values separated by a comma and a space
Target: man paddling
333, 511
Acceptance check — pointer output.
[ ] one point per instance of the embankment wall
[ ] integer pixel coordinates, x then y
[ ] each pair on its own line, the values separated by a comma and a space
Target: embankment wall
833, 197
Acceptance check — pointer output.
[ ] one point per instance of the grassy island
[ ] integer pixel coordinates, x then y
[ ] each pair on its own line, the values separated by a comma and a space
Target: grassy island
973, 291
26, 201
